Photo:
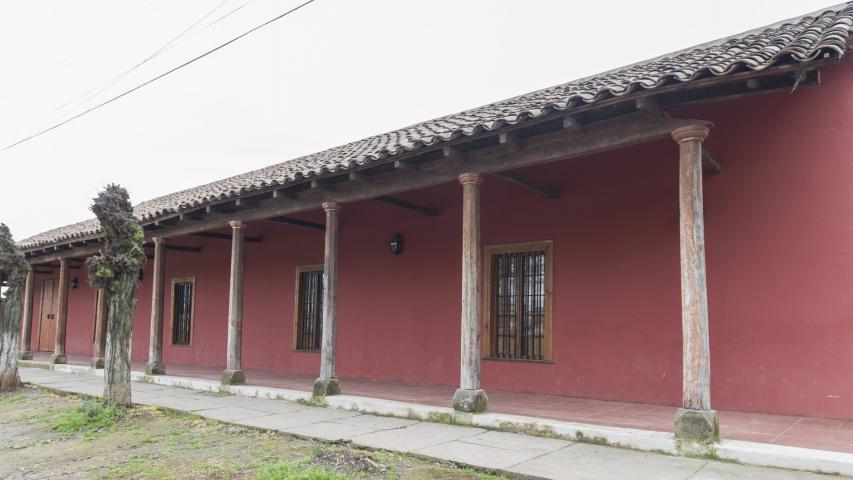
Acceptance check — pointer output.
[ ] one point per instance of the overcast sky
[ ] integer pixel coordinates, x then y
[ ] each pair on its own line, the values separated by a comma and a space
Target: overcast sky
333, 72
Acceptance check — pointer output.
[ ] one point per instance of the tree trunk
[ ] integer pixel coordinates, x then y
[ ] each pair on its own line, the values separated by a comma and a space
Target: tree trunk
10, 325
122, 306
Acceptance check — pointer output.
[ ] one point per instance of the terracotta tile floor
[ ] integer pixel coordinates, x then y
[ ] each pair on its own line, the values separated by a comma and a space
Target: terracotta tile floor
808, 432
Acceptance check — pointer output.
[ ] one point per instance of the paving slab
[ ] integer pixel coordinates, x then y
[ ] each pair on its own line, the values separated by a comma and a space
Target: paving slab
331, 431
733, 471
184, 404
415, 437
230, 413
377, 423
261, 404
594, 462
303, 416
518, 442
483, 456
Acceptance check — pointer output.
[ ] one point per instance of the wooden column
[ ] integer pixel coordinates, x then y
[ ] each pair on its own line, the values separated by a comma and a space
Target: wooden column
155, 340
62, 319
328, 384
27, 318
695, 421
233, 374
100, 341
469, 397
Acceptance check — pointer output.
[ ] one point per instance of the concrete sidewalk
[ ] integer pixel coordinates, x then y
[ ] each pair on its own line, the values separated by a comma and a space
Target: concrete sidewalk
505, 452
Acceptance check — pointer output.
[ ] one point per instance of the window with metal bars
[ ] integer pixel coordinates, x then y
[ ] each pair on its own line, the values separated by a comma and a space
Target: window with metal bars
182, 311
309, 313
519, 306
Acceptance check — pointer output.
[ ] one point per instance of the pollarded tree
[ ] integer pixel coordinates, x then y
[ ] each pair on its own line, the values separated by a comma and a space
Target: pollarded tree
116, 270
13, 271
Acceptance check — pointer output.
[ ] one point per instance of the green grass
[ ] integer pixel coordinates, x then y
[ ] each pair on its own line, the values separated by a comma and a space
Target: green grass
295, 471
15, 399
88, 417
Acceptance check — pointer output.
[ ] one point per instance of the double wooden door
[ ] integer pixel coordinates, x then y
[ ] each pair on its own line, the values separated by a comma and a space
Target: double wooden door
49, 309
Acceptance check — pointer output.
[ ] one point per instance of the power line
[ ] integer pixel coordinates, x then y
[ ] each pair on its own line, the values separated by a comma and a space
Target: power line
95, 91
158, 77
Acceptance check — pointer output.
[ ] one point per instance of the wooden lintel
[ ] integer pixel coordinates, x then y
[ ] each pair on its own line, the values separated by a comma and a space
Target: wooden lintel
525, 182
224, 236
709, 164
399, 202
297, 222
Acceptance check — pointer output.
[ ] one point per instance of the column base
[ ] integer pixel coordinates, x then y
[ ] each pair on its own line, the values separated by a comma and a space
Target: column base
97, 363
470, 401
325, 387
58, 359
26, 355
157, 368
695, 430
233, 377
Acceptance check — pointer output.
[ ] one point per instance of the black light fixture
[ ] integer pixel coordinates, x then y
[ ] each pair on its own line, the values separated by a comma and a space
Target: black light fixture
74, 283
396, 244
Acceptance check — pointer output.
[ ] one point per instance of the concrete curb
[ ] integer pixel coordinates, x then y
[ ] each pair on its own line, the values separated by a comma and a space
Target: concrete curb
751, 453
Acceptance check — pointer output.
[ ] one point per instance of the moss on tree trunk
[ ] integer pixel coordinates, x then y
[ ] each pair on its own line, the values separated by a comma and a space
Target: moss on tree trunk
122, 306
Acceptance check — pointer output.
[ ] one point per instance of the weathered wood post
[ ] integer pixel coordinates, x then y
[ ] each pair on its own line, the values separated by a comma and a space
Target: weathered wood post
27, 318
233, 374
469, 397
13, 271
155, 340
116, 271
696, 424
62, 319
328, 384
99, 343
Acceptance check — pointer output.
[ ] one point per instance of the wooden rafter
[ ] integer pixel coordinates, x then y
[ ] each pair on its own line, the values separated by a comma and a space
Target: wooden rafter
525, 182
399, 202
297, 222
709, 164
178, 248
224, 236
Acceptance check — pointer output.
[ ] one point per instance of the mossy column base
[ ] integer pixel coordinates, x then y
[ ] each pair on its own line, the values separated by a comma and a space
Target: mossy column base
58, 358
97, 362
233, 377
696, 428
25, 355
470, 401
155, 368
325, 387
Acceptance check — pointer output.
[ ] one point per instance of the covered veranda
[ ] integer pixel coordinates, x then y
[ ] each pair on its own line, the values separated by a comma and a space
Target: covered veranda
795, 431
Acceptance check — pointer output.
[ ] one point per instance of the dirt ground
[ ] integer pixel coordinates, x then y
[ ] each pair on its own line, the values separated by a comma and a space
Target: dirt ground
44, 435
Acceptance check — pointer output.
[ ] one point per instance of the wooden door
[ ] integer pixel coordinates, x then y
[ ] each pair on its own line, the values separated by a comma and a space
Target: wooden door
47, 323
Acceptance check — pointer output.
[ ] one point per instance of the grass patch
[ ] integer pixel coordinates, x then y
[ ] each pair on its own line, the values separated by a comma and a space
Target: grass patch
295, 471
14, 399
89, 416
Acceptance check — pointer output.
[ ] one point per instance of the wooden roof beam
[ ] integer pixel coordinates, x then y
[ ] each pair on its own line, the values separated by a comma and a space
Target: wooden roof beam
178, 248
572, 124
297, 222
709, 164
399, 202
224, 236
525, 182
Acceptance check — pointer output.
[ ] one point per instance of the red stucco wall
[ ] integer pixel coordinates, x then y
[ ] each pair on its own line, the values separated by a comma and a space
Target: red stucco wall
780, 268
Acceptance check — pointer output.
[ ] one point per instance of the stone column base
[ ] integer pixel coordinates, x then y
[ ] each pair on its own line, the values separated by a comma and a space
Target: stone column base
233, 377
696, 430
26, 355
325, 387
97, 362
470, 401
58, 358
157, 368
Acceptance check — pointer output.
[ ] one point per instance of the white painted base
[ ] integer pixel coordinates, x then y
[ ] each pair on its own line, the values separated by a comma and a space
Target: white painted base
751, 453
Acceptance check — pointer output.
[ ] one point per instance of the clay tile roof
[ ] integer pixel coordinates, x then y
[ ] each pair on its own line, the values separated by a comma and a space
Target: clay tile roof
801, 39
